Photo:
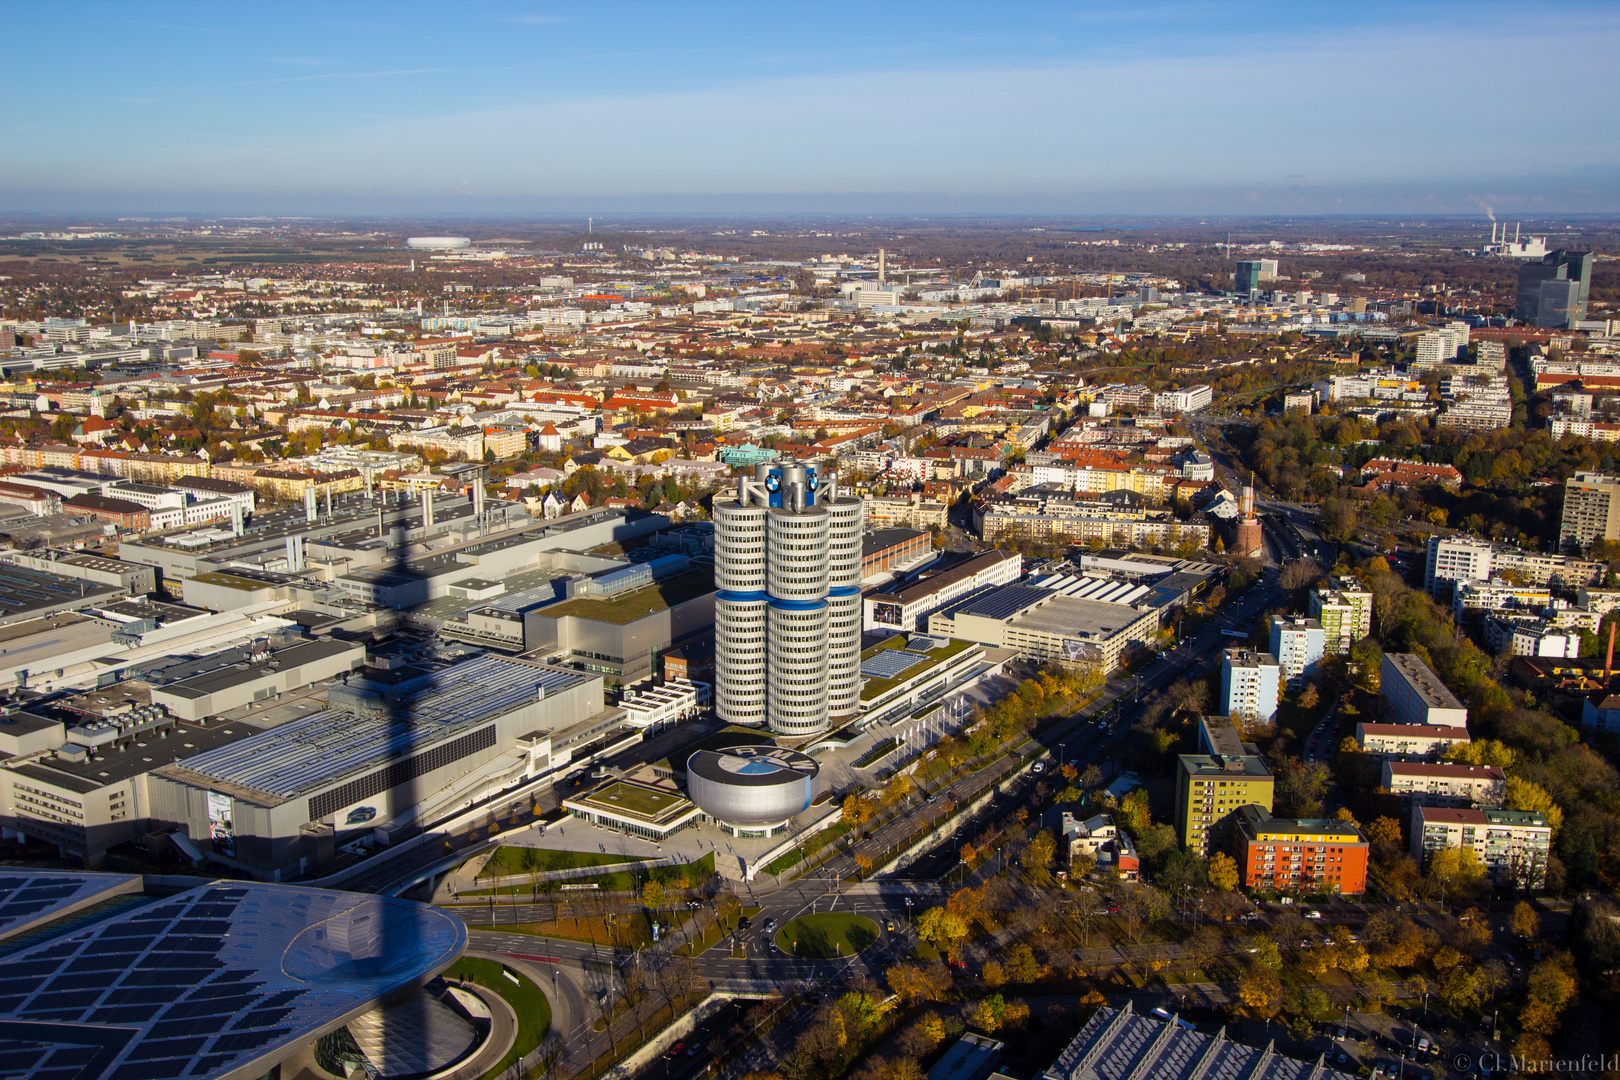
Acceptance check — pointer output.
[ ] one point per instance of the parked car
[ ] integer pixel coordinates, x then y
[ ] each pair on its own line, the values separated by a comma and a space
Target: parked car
677, 1050
1313, 914
956, 965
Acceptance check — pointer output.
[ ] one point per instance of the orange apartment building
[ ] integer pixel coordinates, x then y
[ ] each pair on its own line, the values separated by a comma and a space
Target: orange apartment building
1300, 855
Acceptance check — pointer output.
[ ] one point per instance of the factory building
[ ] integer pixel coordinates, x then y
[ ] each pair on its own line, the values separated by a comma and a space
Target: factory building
907, 607
385, 754
1048, 626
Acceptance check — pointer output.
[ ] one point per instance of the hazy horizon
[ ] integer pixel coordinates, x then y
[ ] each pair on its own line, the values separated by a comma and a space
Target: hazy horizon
1175, 108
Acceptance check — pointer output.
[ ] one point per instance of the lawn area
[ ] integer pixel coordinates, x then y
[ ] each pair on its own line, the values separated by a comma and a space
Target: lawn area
527, 1000
630, 606
829, 934
636, 798
711, 935
506, 860
785, 862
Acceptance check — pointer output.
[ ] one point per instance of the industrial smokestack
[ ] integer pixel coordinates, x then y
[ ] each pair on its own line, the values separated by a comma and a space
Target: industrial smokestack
882, 268
427, 507
1608, 659
236, 519
309, 505
328, 500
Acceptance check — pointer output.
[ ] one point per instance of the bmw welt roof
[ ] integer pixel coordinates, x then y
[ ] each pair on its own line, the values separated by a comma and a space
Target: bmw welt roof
752, 766
30, 896
309, 753
217, 983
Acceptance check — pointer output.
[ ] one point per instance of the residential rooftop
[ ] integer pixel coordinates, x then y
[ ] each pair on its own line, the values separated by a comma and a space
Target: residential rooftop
1423, 681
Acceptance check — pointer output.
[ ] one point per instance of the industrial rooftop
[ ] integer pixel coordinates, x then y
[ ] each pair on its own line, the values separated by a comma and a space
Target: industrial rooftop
1077, 618
1118, 1044
309, 753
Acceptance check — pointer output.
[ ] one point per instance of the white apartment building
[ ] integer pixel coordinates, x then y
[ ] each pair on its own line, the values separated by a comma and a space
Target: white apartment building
1298, 646
1591, 509
1497, 595
912, 511
1532, 637
1512, 845
1453, 559
1192, 399
1434, 348
1408, 742
1445, 783
1413, 694
1249, 684
1344, 611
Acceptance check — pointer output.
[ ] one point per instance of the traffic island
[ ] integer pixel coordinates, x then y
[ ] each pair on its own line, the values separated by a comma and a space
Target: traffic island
827, 936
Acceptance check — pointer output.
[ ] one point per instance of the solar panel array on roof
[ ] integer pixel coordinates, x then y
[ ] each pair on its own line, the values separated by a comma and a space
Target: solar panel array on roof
308, 753
889, 663
1119, 1044
211, 981
1084, 587
999, 603
29, 896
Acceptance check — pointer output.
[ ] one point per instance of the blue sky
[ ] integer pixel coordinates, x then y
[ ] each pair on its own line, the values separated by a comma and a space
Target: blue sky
926, 107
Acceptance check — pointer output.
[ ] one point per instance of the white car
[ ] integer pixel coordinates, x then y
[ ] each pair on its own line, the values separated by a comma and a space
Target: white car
1313, 914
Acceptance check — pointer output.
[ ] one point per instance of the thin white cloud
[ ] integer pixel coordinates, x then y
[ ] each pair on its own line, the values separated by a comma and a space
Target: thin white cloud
1380, 111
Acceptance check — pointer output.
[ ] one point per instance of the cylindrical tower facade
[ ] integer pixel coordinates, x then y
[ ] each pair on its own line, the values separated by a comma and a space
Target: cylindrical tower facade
796, 680
739, 612
848, 521
787, 610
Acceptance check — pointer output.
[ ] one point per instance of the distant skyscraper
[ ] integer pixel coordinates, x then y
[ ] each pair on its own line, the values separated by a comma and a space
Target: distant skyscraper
1564, 304
1248, 274
787, 613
